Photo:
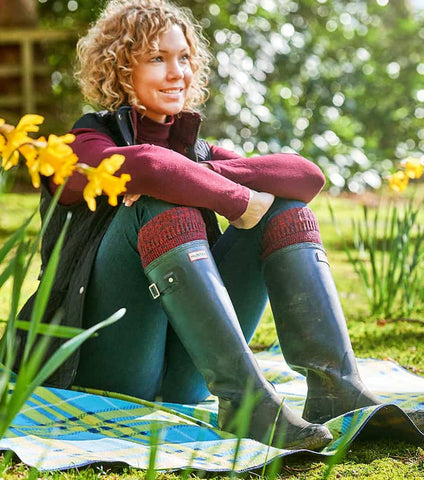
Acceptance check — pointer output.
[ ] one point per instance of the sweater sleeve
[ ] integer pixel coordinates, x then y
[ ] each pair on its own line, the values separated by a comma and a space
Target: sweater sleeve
160, 173
284, 175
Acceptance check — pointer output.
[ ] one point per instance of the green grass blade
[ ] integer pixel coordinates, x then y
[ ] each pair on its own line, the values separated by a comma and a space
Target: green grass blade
154, 439
51, 209
65, 350
358, 264
8, 347
18, 278
21, 389
44, 290
7, 272
28, 378
51, 330
47, 218
16, 238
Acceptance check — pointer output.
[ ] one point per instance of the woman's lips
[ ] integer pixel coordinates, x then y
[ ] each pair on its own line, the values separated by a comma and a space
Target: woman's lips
172, 91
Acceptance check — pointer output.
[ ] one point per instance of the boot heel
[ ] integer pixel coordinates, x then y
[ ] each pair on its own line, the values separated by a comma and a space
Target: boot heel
330, 397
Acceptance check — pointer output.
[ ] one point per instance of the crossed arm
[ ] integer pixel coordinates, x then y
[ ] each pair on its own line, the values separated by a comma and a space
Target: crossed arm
240, 189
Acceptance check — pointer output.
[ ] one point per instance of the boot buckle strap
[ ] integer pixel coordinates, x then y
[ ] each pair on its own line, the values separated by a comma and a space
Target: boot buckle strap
321, 257
169, 281
154, 291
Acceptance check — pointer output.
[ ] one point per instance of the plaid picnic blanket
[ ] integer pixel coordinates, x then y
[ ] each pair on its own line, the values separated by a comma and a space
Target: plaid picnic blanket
61, 429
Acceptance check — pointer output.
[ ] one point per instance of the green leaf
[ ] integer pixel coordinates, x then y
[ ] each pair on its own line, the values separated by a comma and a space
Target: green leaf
48, 216
50, 330
15, 238
44, 290
7, 272
70, 346
28, 378
18, 278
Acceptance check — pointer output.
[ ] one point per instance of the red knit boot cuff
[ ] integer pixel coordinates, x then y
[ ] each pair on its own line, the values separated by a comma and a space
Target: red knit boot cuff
168, 230
296, 225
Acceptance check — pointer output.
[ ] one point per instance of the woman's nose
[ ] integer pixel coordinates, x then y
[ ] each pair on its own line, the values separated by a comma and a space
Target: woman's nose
176, 70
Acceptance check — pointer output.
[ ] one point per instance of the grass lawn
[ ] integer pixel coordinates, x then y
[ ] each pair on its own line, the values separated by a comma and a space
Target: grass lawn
371, 337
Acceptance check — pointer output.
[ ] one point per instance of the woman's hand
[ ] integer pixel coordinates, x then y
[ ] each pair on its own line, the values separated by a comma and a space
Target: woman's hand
130, 199
259, 204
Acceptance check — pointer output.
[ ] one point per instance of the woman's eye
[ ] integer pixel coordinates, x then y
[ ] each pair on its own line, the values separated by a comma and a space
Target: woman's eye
156, 59
185, 57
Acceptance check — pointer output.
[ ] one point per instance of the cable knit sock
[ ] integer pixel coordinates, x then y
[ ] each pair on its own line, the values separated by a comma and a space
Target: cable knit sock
296, 225
168, 230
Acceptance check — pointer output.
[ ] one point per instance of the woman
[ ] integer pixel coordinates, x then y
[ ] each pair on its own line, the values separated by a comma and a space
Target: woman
193, 296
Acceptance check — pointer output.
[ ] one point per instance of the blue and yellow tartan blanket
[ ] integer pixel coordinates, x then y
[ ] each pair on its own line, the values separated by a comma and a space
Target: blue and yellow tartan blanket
62, 429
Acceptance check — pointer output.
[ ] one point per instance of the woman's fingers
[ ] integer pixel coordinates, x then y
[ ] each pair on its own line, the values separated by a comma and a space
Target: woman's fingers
130, 199
259, 204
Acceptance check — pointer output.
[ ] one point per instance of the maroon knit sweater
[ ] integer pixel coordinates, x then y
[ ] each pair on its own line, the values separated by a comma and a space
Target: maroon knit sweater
160, 172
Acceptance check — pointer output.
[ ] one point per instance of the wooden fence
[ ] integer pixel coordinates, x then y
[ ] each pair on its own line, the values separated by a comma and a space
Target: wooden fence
27, 69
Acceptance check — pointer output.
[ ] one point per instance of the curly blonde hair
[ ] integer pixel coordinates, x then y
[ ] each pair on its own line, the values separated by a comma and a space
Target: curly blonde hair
125, 30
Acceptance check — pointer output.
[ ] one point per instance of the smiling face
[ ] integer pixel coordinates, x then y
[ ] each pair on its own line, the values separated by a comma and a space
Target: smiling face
161, 79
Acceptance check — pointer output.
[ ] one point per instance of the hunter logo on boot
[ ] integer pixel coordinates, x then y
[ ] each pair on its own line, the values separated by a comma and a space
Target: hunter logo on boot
198, 255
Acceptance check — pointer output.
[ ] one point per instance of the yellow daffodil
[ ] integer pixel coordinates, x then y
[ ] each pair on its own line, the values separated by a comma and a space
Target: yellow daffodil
101, 179
2, 136
31, 156
398, 181
54, 157
13, 138
413, 167
57, 158
50, 157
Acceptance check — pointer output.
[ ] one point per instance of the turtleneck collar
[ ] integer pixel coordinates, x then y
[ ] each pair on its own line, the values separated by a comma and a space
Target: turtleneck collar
182, 132
149, 131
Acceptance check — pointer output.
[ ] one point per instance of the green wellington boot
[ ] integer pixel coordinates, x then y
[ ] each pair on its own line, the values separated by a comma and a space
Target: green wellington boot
200, 311
312, 331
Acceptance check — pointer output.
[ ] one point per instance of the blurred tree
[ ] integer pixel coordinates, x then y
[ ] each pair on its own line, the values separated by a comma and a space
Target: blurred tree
341, 82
